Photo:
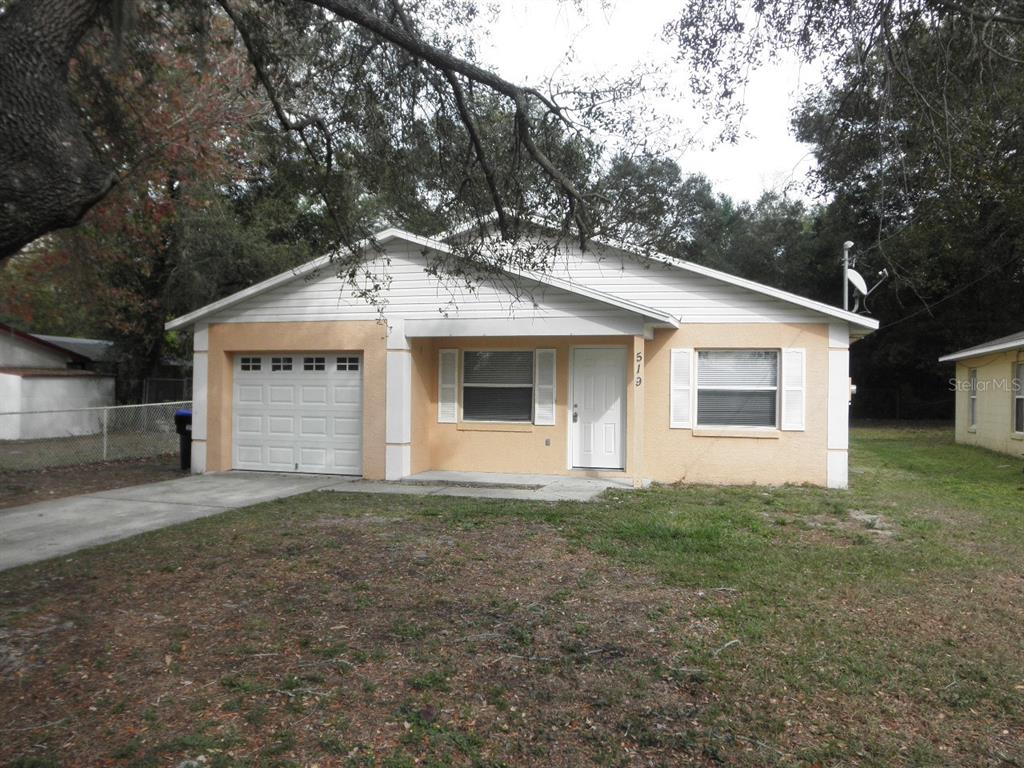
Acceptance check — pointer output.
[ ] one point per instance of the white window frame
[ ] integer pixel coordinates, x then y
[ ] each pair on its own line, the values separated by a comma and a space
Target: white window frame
777, 389
1018, 396
972, 398
250, 363
531, 387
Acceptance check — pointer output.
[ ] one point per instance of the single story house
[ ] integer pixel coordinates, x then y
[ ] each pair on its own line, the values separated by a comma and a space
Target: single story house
604, 362
989, 387
53, 375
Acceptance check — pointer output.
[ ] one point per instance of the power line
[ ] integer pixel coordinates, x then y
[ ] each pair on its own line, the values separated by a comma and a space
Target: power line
957, 292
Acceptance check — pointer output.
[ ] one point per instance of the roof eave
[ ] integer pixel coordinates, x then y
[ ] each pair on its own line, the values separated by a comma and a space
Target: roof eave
966, 354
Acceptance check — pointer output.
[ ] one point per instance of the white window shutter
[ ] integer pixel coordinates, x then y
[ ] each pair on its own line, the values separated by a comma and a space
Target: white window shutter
794, 397
448, 386
544, 387
681, 388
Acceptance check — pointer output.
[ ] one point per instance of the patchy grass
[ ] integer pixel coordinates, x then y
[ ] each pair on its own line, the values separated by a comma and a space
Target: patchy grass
739, 626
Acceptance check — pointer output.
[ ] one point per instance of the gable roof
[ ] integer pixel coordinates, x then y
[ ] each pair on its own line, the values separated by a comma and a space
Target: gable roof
866, 323
94, 349
45, 342
392, 234
1002, 344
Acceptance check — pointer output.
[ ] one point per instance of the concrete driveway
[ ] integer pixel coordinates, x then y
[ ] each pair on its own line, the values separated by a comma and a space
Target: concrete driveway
51, 528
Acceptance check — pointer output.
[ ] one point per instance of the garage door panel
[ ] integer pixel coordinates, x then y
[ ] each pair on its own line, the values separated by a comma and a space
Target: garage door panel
250, 394
250, 454
300, 419
281, 455
348, 462
313, 395
313, 459
348, 395
281, 395
250, 425
313, 426
278, 426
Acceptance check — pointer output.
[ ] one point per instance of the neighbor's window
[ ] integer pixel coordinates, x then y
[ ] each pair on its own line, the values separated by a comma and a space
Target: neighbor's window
314, 363
972, 397
497, 386
280, 364
1018, 399
737, 388
251, 363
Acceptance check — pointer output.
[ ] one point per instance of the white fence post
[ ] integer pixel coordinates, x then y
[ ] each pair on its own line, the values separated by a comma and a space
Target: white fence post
106, 414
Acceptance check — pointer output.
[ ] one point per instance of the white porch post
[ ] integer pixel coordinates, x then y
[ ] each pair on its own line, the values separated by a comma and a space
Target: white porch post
200, 369
398, 404
837, 471
636, 382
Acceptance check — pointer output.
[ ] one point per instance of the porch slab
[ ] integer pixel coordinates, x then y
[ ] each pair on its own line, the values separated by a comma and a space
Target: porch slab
488, 485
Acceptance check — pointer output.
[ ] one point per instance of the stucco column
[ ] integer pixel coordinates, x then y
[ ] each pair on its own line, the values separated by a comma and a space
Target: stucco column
837, 471
398, 404
200, 368
636, 383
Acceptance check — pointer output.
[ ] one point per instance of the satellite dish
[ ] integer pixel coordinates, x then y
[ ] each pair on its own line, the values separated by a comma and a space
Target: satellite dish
858, 282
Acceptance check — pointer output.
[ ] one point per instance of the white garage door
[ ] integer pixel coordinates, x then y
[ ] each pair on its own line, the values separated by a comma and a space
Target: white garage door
300, 412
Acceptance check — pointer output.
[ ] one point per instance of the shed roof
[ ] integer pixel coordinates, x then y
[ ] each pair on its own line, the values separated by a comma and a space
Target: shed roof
1002, 344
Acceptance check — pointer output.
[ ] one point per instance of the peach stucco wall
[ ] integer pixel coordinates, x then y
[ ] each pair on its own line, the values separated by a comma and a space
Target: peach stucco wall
513, 448
723, 456
227, 339
654, 451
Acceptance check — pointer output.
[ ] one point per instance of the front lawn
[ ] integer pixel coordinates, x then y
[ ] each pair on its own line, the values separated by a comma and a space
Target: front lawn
710, 626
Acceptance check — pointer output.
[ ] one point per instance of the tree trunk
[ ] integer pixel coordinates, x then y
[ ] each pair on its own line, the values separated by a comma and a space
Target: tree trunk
50, 174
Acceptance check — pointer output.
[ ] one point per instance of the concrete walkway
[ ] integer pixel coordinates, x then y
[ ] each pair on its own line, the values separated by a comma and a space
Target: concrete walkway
51, 528
488, 485
47, 529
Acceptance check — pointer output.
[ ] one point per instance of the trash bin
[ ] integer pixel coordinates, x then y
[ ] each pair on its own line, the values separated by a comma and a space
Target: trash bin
183, 425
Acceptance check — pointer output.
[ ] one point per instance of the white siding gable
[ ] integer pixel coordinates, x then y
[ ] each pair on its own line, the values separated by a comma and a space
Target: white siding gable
411, 293
692, 298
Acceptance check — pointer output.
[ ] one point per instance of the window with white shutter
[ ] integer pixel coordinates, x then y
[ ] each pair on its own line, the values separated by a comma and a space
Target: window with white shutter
544, 387
448, 386
681, 391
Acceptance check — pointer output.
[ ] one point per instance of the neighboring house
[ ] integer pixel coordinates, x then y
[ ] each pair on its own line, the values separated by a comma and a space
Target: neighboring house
990, 394
606, 363
48, 373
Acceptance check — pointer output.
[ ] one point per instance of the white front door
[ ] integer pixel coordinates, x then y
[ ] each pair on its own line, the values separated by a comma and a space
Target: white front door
298, 412
599, 408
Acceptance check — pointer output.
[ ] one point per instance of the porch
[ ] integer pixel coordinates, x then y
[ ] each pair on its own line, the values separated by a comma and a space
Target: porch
492, 485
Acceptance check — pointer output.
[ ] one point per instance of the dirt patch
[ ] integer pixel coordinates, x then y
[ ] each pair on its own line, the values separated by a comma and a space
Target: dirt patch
359, 641
29, 486
840, 529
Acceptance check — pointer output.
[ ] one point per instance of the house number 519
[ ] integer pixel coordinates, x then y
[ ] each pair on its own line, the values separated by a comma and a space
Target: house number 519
639, 365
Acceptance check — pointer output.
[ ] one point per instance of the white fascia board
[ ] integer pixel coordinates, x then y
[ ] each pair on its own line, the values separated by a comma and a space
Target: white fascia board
980, 351
427, 243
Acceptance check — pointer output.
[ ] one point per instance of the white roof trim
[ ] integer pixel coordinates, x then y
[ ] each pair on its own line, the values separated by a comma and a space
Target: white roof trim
435, 245
986, 349
867, 323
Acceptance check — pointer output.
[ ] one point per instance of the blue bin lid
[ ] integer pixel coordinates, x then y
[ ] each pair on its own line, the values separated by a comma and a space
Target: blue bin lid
183, 412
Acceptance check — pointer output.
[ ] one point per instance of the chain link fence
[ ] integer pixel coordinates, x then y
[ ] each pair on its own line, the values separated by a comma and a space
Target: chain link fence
40, 439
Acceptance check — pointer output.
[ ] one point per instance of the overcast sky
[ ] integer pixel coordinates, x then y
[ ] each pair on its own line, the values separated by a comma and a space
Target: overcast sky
529, 41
